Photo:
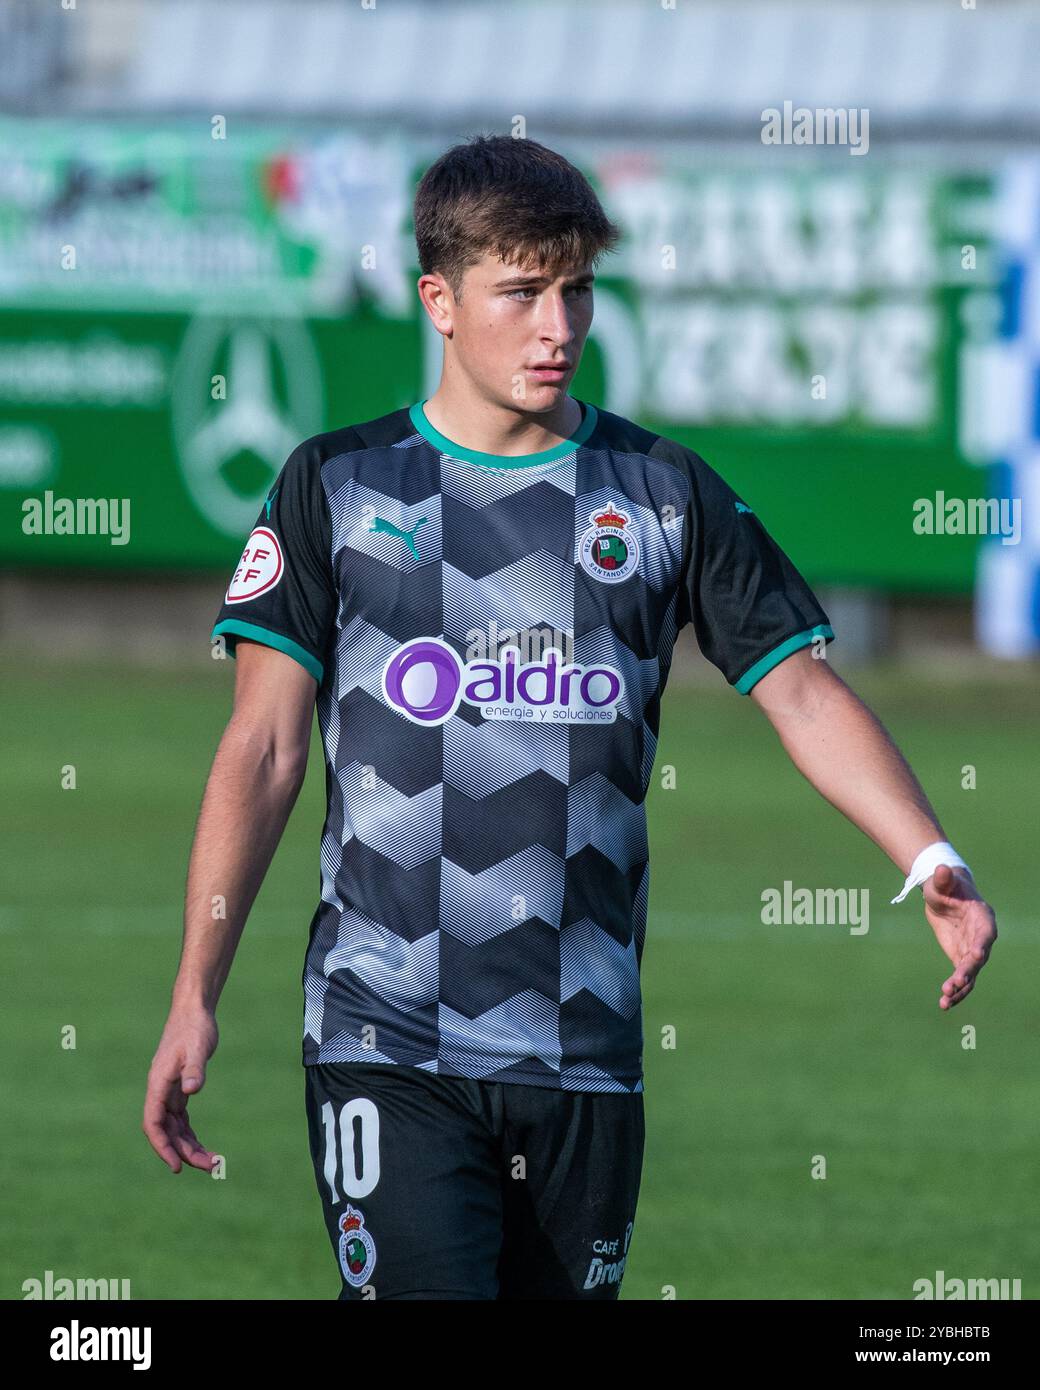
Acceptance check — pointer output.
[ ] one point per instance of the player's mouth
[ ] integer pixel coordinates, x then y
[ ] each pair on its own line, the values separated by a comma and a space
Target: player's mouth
550, 371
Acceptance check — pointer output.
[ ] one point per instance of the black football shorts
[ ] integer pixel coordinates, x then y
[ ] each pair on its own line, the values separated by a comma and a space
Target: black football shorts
443, 1187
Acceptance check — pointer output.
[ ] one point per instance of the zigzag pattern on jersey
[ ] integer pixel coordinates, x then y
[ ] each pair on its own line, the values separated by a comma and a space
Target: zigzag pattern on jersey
485, 883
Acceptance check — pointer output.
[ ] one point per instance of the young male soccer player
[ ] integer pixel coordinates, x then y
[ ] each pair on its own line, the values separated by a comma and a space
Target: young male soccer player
472, 1032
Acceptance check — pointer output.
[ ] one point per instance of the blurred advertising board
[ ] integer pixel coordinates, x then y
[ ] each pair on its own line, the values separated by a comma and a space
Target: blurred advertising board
181, 304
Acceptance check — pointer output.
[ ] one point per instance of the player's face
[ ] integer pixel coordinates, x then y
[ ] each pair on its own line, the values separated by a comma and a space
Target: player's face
512, 323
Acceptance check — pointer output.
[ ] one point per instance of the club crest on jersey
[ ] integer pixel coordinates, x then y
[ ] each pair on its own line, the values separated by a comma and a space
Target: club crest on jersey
260, 568
608, 550
357, 1249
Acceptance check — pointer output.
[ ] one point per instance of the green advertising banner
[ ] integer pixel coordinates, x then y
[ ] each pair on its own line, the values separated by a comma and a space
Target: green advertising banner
179, 307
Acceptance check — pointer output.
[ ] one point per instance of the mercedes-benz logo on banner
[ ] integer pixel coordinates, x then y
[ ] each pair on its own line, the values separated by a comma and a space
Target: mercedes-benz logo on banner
274, 400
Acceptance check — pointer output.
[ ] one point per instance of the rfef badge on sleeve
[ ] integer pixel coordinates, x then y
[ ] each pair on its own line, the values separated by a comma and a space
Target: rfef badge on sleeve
260, 568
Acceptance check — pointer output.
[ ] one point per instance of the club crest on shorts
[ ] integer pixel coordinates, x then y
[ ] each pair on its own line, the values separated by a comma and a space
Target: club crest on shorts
608, 550
357, 1249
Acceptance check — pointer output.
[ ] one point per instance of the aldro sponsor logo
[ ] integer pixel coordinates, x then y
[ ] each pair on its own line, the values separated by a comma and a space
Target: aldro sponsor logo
426, 680
608, 1263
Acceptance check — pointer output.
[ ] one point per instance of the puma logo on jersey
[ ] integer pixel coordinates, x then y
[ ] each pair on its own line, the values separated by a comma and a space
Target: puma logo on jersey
381, 524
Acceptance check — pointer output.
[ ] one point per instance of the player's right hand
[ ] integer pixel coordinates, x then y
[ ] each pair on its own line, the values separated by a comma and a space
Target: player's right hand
178, 1070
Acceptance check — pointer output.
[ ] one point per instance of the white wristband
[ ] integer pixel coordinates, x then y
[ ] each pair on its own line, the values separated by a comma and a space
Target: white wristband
926, 863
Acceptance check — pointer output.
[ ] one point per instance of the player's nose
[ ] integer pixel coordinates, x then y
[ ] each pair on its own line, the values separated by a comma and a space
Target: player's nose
555, 321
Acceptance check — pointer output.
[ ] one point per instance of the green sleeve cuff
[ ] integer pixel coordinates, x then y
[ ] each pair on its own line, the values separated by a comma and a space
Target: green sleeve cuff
271, 639
766, 663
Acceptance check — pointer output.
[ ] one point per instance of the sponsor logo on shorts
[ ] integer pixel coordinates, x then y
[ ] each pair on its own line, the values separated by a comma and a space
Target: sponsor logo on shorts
260, 568
426, 680
357, 1249
608, 550
608, 1262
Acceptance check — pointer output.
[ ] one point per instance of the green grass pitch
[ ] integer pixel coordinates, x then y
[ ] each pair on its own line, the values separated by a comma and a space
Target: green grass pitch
790, 1042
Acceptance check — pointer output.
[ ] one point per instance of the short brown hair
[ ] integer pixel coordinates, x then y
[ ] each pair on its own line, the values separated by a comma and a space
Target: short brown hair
509, 197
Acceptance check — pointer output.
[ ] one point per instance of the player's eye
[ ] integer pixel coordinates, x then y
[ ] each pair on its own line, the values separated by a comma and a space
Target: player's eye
577, 290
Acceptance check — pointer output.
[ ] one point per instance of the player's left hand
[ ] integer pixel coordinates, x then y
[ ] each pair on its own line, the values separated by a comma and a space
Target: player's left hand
965, 927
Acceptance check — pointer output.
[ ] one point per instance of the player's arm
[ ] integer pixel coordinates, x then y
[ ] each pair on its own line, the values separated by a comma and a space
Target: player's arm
844, 751
253, 784
760, 623
278, 618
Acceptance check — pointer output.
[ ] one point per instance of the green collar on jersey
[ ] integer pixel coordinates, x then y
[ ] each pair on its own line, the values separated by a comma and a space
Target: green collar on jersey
456, 451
